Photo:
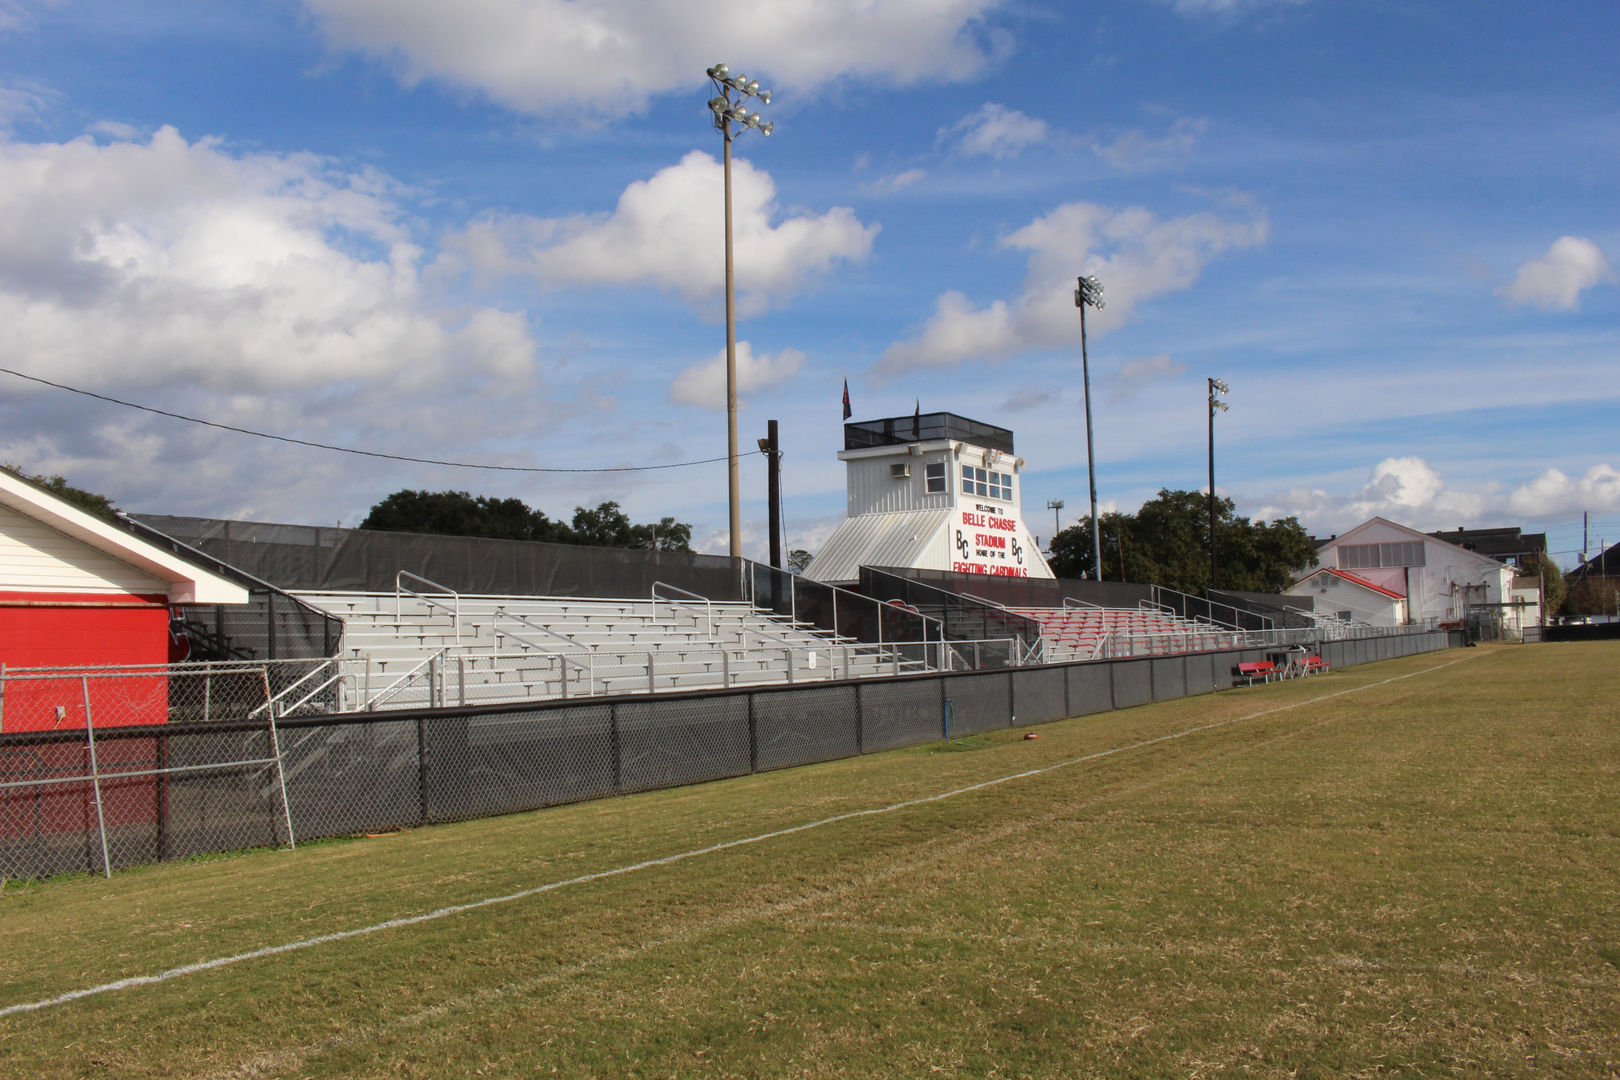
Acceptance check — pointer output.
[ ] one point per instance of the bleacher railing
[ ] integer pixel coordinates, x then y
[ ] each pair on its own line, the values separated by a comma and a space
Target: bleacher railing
959, 617
903, 632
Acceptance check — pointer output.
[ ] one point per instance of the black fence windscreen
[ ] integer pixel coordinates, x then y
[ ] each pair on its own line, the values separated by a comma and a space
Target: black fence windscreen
272, 625
310, 558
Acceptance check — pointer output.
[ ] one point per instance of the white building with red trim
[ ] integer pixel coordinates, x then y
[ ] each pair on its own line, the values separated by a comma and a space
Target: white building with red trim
1351, 598
79, 591
1440, 582
932, 491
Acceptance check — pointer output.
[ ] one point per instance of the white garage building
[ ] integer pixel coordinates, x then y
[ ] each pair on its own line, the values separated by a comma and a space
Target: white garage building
1438, 581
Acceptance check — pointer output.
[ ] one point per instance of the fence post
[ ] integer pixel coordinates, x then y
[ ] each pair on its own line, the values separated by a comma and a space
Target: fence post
461, 679
753, 737
725, 668
860, 722
562, 670
789, 654
651, 688
95, 774
613, 743
421, 772
433, 681
281, 782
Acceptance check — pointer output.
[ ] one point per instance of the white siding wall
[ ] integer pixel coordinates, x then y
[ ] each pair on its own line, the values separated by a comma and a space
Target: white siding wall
37, 558
873, 491
1435, 591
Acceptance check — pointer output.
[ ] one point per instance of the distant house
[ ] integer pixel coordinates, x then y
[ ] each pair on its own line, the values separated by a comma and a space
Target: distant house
1351, 597
1440, 582
1504, 545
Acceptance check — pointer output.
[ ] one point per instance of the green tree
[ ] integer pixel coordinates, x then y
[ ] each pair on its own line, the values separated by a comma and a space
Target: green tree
798, 560
1166, 542
1553, 589
99, 505
460, 513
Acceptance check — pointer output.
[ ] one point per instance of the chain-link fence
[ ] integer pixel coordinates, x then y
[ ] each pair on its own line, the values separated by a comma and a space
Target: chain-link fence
92, 778
116, 767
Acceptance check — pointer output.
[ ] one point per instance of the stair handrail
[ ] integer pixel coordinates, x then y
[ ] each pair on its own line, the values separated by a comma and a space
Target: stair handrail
708, 605
400, 588
398, 684
1076, 602
502, 613
294, 685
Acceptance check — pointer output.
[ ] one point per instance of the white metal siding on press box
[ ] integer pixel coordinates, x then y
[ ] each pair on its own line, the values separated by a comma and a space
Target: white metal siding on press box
882, 540
873, 490
37, 558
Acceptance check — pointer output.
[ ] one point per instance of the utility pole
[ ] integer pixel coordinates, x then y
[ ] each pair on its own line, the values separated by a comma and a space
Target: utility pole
1089, 294
1216, 387
773, 488
725, 113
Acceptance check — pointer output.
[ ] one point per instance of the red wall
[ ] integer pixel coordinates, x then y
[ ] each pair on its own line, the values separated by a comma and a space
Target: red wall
128, 630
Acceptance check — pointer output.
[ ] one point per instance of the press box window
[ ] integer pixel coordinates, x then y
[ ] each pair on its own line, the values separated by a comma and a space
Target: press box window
991, 484
935, 476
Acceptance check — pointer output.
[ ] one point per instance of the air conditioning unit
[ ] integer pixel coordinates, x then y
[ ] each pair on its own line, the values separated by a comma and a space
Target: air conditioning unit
900, 470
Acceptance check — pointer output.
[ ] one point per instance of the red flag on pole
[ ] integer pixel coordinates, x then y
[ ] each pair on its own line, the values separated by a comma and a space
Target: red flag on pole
847, 413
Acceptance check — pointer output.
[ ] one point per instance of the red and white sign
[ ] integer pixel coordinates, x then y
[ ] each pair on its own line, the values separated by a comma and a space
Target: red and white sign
985, 540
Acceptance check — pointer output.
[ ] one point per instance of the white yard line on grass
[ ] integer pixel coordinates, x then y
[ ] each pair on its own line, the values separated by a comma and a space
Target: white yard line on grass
456, 909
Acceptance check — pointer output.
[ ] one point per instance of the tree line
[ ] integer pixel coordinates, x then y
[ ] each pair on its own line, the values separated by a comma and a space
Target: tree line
1166, 543
459, 513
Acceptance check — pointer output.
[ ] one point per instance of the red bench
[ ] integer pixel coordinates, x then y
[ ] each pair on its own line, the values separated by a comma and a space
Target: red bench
1259, 669
1315, 665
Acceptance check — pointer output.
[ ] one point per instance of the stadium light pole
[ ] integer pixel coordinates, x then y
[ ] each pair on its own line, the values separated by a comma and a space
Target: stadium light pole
1055, 505
1216, 388
1089, 294
726, 112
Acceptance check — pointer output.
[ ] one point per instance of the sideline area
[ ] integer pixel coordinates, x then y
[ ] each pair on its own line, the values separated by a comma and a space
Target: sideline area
1242, 829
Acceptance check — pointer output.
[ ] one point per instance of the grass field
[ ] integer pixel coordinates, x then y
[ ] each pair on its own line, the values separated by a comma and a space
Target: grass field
1420, 877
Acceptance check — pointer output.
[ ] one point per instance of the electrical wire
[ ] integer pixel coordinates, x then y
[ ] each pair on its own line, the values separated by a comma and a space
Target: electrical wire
364, 453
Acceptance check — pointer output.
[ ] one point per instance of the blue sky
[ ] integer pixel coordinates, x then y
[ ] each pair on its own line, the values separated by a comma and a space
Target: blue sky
490, 232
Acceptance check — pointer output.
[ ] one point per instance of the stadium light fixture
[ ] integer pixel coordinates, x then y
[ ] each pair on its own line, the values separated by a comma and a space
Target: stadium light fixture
1055, 505
1216, 389
725, 112
1089, 294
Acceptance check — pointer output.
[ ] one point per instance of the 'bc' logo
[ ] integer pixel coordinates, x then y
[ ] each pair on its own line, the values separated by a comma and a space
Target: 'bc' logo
961, 543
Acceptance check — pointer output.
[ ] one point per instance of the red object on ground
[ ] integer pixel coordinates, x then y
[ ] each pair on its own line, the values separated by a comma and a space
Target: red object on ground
1031, 735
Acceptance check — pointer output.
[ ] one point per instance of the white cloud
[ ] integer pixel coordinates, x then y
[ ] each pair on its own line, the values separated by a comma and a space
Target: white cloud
1133, 252
705, 383
1029, 397
1228, 7
1557, 279
899, 180
1410, 491
606, 56
1135, 152
996, 131
1553, 493
667, 231
168, 261
1136, 375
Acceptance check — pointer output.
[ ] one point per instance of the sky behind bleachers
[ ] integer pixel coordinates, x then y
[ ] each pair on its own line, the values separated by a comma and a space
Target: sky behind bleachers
491, 232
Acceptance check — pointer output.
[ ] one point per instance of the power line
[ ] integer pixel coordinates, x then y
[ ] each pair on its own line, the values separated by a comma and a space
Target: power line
360, 453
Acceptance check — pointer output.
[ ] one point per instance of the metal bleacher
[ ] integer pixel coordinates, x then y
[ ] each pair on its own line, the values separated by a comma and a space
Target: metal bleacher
424, 645
1079, 631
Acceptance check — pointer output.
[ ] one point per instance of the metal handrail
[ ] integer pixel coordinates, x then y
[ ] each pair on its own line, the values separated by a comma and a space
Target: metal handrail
1070, 600
501, 612
707, 603
400, 587
287, 690
398, 684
